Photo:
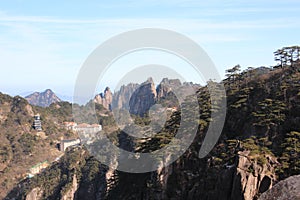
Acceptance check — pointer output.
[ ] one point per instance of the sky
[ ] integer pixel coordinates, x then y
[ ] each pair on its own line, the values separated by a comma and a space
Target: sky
43, 44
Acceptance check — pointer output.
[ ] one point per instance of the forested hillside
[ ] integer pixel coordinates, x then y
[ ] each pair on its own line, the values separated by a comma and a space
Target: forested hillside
259, 145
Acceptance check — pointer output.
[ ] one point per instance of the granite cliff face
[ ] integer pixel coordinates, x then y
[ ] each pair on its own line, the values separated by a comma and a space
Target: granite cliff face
143, 98
105, 98
191, 178
43, 99
284, 190
70, 194
138, 98
166, 86
251, 178
245, 178
34, 194
121, 97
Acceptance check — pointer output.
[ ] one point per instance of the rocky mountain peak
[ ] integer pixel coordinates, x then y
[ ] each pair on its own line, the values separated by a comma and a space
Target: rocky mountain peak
138, 98
149, 80
43, 99
48, 91
170, 81
104, 98
143, 98
166, 86
107, 89
121, 97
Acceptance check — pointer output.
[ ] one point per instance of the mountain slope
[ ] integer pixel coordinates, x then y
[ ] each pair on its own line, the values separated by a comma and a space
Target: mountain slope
259, 146
21, 146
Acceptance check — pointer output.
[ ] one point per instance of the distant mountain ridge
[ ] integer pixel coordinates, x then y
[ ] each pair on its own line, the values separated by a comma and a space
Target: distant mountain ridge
138, 98
43, 99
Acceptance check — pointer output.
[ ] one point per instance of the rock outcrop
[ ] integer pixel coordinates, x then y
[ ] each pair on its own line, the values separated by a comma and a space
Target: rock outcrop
251, 178
243, 180
105, 98
170, 92
143, 98
284, 190
43, 99
166, 86
121, 97
138, 98
69, 195
34, 194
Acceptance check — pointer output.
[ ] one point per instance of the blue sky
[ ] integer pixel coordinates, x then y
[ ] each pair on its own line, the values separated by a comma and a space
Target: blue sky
44, 43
